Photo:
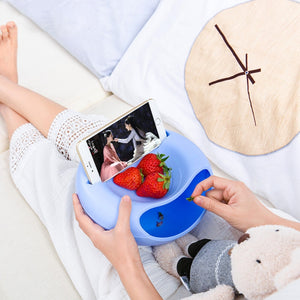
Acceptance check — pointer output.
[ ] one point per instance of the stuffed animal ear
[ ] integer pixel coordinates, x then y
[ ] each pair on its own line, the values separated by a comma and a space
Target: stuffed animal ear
220, 292
289, 272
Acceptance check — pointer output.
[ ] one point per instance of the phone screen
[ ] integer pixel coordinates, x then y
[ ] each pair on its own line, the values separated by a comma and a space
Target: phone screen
124, 142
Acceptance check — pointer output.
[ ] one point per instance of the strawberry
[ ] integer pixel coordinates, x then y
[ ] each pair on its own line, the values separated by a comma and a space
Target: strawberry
129, 179
153, 163
155, 185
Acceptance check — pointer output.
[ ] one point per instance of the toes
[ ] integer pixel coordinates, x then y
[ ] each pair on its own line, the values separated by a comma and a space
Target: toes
1, 32
11, 24
4, 32
11, 29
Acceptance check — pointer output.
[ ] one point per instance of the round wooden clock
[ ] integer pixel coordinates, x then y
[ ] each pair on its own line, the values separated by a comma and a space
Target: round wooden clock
242, 76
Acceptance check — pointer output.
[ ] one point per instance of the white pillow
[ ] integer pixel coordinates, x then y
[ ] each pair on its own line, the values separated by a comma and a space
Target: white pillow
96, 32
154, 66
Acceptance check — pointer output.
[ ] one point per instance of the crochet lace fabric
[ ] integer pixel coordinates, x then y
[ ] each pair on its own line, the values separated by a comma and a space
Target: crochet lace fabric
22, 139
69, 127
65, 131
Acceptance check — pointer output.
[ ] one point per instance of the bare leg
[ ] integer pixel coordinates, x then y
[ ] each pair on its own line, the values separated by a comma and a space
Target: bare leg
8, 68
38, 110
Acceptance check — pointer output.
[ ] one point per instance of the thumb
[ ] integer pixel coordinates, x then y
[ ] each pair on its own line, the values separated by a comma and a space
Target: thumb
213, 205
124, 213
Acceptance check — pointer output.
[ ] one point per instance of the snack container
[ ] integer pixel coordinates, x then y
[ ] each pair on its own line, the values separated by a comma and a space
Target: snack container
152, 221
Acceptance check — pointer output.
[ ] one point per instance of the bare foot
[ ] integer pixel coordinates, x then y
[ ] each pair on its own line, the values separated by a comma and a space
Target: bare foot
8, 51
8, 56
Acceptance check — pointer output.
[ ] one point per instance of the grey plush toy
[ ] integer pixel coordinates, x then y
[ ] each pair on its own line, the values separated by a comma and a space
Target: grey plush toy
209, 256
262, 261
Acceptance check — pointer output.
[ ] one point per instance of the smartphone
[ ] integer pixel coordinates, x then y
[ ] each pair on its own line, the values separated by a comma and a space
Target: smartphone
117, 145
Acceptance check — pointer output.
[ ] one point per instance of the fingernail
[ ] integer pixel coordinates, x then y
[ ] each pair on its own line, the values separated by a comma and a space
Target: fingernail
126, 198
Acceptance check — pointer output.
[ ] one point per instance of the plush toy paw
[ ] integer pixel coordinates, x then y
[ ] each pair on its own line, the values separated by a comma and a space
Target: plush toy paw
289, 272
220, 292
167, 256
184, 242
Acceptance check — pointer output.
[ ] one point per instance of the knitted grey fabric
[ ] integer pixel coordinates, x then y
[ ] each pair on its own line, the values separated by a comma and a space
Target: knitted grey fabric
211, 266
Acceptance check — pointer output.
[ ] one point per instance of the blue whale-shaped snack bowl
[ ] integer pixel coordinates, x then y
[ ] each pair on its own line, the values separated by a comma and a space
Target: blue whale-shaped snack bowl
152, 221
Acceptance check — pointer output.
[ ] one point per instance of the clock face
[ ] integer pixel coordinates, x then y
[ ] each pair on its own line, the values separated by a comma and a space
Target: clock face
243, 76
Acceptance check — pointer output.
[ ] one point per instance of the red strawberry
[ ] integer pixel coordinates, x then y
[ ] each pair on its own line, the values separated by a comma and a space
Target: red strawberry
155, 185
153, 163
129, 179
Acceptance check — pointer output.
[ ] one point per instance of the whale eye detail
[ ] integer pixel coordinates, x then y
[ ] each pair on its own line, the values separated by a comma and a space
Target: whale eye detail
277, 230
258, 261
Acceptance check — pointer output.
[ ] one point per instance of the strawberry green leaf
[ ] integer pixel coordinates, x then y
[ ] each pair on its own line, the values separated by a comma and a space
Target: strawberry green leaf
142, 175
167, 185
164, 159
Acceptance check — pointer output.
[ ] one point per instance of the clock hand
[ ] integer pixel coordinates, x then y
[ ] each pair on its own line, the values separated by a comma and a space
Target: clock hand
244, 68
234, 76
248, 91
227, 78
233, 52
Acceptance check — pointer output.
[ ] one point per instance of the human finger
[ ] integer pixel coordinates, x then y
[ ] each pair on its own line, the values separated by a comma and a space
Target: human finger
213, 205
85, 223
123, 221
216, 194
212, 181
